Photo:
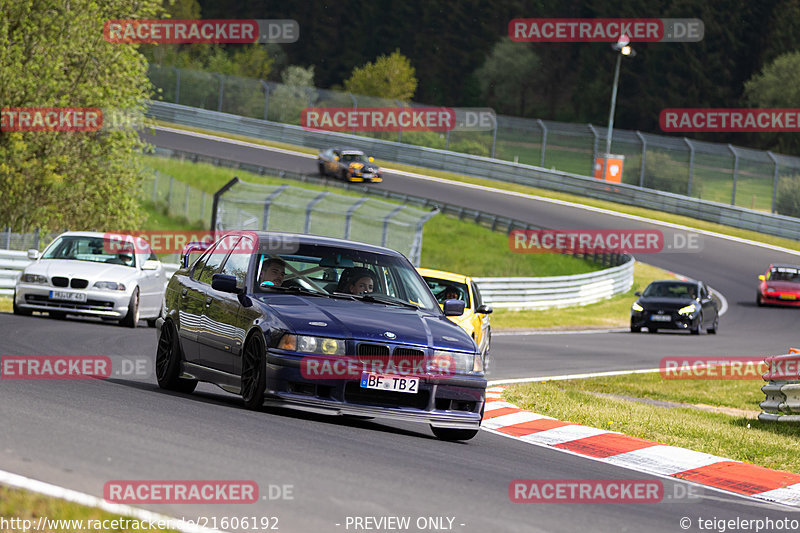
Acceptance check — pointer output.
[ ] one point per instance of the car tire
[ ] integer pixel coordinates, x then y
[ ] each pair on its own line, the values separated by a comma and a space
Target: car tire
652, 330
321, 169
18, 310
168, 362
759, 300
254, 370
151, 322
132, 317
713, 329
343, 175
696, 331
636, 329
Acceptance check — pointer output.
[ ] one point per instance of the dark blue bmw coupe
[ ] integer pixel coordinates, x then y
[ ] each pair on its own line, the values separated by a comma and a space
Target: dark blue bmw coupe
320, 324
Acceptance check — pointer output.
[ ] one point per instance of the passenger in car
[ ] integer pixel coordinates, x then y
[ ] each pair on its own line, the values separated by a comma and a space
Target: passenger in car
273, 271
361, 280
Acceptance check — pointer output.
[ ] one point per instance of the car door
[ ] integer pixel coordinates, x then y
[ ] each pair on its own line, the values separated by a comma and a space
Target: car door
709, 305
482, 327
223, 334
192, 305
151, 284
209, 353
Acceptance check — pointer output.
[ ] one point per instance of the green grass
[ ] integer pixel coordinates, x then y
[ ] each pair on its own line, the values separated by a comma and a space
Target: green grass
611, 313
734, 436
26, 505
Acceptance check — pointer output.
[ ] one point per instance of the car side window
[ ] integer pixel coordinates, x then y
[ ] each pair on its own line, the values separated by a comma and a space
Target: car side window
197, 269
703, 293
477, 293
237, 262
217, 258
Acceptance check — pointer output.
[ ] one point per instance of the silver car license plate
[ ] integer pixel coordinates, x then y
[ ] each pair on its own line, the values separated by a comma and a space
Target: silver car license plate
68, 296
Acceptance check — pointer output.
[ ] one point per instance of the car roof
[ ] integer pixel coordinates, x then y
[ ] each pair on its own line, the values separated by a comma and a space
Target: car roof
352, 152
304, 238
447, 276
783, 265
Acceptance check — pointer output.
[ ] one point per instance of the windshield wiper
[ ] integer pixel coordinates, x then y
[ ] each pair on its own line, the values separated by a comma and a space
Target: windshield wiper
382, 299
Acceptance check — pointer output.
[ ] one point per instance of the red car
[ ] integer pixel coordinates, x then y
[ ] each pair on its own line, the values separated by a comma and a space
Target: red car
779, 286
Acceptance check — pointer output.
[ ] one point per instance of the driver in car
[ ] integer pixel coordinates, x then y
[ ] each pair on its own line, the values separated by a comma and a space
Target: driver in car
273, 271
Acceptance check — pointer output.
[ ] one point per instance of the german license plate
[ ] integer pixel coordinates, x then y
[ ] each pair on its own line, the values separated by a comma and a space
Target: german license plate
788, 297
660, 318
68, 296
389, 382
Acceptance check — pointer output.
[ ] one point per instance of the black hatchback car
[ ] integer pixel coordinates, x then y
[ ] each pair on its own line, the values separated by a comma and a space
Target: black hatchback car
672, 304
320, 324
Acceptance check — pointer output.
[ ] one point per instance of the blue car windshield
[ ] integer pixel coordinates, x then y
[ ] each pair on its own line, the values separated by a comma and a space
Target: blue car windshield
330, 270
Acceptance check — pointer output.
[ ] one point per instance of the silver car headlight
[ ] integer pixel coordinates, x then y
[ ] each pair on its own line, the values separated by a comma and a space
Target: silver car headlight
309, 344
688, 310
109, 285
447, 362
34, 278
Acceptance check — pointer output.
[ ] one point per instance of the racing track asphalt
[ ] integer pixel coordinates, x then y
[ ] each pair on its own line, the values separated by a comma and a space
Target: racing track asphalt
81, 434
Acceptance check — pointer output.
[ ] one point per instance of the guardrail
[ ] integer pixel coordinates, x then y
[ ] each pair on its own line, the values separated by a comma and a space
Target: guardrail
739, 217
782, 402
13, 262
558, 291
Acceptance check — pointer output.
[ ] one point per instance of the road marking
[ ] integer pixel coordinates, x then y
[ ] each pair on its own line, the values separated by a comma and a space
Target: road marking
497, 382
715, 473
48, 489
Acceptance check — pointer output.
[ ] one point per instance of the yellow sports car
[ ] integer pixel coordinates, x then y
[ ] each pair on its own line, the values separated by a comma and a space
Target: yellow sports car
475, 319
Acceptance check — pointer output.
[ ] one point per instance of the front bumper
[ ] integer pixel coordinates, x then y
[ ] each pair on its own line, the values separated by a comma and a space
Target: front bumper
455, 402
100, 303
371, 179
777, 298
644, 320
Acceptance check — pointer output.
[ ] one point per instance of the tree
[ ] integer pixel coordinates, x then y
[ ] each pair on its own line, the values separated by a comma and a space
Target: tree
53, 54
508, 76
777, 86
390, 77
295, 93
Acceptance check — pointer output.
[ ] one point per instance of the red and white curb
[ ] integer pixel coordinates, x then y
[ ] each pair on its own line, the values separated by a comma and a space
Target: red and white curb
642, 455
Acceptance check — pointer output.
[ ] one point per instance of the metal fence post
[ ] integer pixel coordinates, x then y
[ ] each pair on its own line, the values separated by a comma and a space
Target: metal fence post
267, 202
266, 99
691, 165
644, 157
169, 194
355, 106
494, 136
392, 213
36, 238
217, 196
155, 186
544, 140
594, 149
8, 237
310, 208
416, 247
221, 91
349, 214
177, 84
735, 172
774, 180
447, 140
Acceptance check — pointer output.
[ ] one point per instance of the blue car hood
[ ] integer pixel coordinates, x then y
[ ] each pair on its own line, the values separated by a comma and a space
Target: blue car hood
366, 321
